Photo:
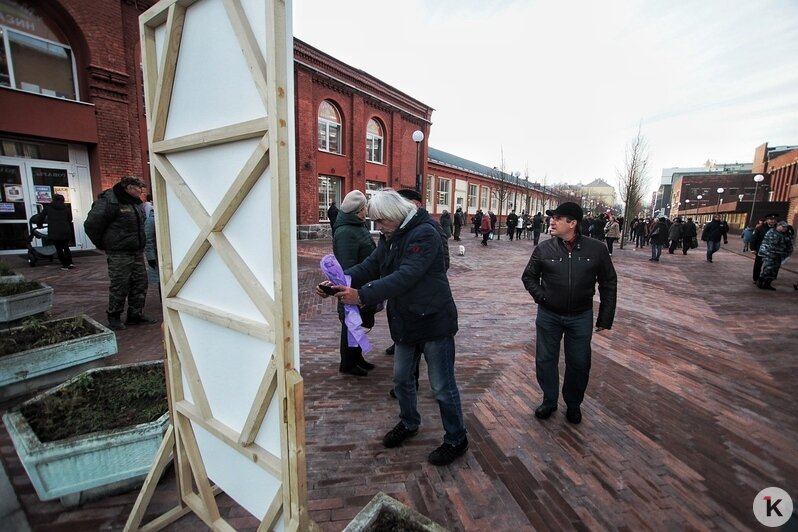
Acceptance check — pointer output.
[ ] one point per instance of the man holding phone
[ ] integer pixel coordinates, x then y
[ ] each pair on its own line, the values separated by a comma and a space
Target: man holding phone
561, 276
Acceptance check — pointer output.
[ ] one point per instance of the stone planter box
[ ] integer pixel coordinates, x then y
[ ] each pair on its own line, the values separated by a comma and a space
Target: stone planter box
26, 304
66, 468
386, 513
16, 278
24, 371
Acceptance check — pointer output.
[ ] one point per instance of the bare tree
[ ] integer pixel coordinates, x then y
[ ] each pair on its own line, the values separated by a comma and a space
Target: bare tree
503, 180
633, 178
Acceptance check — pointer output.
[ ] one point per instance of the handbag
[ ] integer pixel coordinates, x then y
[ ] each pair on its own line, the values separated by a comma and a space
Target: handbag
694, 243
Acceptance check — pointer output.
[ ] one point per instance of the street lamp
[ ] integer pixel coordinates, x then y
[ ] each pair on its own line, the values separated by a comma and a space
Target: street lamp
758, 178
418, 137
720, 200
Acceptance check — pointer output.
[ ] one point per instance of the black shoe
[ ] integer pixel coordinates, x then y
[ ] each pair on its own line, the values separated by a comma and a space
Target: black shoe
391, 350
392, 393
545, 411
448, 453
397, 435
368, 366
115, 323
574, 415
139, 320
357, 371
652, 260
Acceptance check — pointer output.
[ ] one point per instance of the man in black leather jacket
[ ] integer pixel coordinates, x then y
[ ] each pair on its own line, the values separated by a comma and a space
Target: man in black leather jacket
561, 276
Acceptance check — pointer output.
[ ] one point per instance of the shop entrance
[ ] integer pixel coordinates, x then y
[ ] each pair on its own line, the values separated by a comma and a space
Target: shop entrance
26, 186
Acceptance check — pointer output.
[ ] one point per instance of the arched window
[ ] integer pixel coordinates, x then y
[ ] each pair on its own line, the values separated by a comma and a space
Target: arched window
329, 128
374, 140
34, 55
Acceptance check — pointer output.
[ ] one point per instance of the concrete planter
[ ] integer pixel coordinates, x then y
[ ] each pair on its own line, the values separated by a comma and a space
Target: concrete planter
390, 514
16, 278
25, 371
67, 468
26, 304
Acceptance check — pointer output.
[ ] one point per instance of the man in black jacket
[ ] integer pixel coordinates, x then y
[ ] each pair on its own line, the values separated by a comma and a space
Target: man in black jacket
115, 224
561, 276
408, 270
712, 233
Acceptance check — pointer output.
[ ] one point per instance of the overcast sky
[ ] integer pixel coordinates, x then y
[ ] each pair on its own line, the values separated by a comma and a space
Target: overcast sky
561, 87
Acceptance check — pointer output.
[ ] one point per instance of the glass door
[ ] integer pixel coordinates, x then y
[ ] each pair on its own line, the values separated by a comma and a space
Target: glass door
13, 208
46, 182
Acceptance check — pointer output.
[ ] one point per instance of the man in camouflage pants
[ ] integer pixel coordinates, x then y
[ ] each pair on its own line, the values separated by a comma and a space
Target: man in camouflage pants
115, 224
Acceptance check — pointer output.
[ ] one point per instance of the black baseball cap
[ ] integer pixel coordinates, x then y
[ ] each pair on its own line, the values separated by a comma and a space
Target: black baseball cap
569, 208
409, 194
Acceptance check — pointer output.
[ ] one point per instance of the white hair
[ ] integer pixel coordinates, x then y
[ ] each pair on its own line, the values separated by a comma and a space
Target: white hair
387, 204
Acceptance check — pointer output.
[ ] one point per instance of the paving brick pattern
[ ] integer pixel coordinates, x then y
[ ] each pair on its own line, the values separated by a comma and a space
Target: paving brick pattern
690, 410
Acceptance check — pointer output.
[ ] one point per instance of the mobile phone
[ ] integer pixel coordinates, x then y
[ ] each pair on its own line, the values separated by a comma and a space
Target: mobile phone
329, 290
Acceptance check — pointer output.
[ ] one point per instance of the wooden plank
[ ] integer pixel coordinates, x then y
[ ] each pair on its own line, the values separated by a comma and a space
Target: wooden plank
145, 495
269, 521
247, 326
166, 519
188, 364
198, 467
254, 453
163, 90
297, 464
268, 385
212, 137
249, 47
181, 189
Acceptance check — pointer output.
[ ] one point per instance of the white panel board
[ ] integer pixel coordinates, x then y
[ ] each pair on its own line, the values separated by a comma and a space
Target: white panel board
213, 285
182, 229
213, 86
250, 232
230, 365
253, 491
210, 171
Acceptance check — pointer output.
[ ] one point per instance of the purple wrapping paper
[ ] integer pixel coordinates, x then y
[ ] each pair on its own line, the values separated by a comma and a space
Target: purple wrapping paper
356, 335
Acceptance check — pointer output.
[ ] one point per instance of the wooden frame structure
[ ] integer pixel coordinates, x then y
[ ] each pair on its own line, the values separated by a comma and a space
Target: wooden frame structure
219, 97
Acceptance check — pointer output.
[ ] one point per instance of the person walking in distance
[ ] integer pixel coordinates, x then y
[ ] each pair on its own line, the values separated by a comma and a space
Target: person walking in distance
459, 222
657, 238
58, 217
485, 229
689, 236
712, 234
561, 277
115, 224
775, 248
537, 224
408, 270
332, 215
675, 235
612, 232
756, 241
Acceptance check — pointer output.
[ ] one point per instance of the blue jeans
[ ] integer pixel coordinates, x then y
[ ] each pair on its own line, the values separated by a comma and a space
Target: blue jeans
440, 365
656, 251
712, 247
578, 331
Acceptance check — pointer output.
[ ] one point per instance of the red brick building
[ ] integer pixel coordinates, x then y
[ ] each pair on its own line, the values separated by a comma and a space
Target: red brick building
73, 122
72, 119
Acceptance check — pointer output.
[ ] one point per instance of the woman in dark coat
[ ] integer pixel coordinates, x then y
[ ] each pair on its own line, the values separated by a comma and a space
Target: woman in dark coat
446, 223
352, 243
58, 218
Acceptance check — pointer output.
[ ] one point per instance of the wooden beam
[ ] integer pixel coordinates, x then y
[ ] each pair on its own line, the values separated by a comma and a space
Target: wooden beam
198, 468
256, 329
166, 78
212, 137
249, 47
145, 495
269, 521
257, 411
188, 364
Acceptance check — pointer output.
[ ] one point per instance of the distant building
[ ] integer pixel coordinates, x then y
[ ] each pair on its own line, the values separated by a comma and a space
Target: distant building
599, 192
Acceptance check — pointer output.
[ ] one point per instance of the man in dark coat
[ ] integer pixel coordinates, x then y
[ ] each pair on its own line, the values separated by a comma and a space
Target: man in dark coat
115, 224
675, 235
58, 218
658, 237
512, 221
459, 222
712, 234
332, 215
408, 270
690, 232
561, 277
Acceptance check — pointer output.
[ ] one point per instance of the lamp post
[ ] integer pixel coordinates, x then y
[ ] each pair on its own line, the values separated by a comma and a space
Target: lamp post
720, 200
418, 137
758, 178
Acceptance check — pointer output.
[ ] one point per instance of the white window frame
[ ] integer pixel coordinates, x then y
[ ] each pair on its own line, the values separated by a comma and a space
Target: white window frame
330, 192
483, 198
328, 125
375, 143
444, 191
472, 199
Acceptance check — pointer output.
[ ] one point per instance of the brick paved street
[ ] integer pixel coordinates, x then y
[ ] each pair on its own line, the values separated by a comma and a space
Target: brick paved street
689, 413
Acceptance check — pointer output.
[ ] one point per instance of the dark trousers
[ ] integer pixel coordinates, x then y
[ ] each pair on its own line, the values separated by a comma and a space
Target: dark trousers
610, 241
457, 229
686, 242
64, 255
757, 267
535, 236
673, 246
485, 238
577, 330
128, 278
640, 241
350, 356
